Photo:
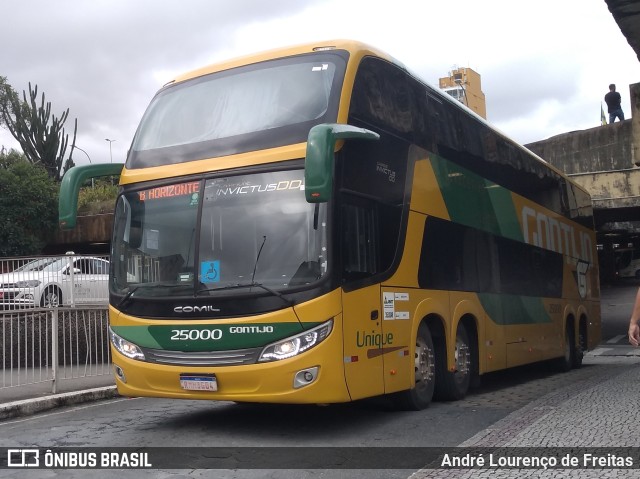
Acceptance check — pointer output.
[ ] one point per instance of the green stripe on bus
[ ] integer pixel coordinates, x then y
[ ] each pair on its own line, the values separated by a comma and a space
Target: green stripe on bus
209, 337
474, 201
509, 310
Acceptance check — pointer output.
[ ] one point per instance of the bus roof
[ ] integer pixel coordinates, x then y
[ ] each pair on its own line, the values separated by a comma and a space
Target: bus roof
359, 50
349, 45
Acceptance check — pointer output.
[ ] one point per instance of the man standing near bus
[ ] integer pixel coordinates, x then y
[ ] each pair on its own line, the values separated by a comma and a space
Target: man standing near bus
614, 108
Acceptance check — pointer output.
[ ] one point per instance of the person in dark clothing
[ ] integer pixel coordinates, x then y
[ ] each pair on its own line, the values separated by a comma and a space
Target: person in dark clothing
612, 99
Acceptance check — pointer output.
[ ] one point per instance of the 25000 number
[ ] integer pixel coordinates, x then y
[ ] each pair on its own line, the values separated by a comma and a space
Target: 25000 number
196, 334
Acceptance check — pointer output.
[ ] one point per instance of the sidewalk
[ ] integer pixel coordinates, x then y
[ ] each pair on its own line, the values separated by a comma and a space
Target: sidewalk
601, 411
34, 398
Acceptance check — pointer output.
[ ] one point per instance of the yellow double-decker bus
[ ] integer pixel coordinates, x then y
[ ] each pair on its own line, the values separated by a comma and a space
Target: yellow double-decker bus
318, 225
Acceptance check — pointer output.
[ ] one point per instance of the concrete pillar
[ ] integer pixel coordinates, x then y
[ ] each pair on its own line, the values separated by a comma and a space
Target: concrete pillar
634, 95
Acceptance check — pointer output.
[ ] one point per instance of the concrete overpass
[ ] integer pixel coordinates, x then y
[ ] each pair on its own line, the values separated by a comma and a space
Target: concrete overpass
606, 160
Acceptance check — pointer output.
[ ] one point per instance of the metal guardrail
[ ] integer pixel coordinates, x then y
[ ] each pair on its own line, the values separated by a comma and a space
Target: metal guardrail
53, 319
71, 280
52, 345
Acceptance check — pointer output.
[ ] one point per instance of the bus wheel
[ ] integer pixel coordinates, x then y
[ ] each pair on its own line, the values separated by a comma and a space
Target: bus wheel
565, 362
419, 397
580, 347
451, 386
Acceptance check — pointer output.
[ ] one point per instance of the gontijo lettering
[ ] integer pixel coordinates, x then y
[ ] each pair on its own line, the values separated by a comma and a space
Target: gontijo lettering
556, 235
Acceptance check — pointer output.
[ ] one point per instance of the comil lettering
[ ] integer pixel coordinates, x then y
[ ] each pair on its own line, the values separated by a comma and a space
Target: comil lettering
555, 235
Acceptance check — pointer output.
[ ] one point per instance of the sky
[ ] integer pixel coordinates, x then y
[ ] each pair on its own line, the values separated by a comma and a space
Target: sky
545, 64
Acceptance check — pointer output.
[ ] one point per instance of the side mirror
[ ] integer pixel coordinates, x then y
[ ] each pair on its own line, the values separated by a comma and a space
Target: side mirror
70, 188
318, 163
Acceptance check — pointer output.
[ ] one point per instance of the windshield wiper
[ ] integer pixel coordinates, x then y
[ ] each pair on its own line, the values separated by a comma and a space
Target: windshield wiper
290, 302
127, 297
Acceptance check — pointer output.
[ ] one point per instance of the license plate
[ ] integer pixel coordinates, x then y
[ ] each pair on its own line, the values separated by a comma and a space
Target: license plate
199, 382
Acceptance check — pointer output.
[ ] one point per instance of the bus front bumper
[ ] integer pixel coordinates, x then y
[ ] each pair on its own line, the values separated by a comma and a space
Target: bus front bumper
312, 377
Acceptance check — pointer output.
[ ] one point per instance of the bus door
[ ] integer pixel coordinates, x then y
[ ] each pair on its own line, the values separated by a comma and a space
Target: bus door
362, 315
362, 319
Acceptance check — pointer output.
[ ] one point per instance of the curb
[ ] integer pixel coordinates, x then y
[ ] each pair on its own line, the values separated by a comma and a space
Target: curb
33, 406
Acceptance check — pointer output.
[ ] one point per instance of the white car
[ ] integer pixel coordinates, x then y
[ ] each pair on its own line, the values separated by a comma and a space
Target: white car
56, 281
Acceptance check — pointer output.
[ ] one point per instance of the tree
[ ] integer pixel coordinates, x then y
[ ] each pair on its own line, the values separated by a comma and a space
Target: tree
40, 134
6, 93
29, 205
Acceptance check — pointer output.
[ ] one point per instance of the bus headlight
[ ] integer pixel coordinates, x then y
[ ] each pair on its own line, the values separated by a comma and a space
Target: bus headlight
125, 347
295, 345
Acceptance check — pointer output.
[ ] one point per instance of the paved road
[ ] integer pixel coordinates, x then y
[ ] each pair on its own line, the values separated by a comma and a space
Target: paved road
531, 405
162, 423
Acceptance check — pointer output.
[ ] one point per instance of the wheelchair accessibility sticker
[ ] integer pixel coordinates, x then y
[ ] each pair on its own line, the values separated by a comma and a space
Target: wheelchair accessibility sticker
210, 272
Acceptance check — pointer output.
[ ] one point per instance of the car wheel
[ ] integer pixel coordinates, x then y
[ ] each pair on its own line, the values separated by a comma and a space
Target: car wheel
51, 298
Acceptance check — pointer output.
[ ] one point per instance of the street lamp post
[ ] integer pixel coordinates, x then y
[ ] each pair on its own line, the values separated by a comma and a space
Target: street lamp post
110, 153
88, 157
78, 148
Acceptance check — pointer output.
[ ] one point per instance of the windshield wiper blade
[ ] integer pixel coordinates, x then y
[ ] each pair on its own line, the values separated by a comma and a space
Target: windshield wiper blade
290, 302
127, 297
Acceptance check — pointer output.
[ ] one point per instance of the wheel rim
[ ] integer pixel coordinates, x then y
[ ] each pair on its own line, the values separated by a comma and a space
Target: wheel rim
51, 299
424, 363
463, 359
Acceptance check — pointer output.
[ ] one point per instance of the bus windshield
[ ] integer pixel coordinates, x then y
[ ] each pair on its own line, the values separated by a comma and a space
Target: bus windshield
255, 229
259, 106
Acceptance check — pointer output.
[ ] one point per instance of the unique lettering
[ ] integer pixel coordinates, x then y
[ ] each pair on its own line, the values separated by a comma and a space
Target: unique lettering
364, 339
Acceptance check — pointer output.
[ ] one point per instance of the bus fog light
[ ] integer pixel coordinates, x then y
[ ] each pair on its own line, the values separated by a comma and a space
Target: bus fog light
305, 377
120, 373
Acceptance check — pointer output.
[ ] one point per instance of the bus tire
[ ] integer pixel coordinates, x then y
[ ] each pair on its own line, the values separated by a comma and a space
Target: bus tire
453, 385
565, 362
580, 347
420, 396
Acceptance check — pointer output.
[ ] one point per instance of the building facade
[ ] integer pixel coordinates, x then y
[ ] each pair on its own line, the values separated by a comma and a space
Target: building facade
464, 84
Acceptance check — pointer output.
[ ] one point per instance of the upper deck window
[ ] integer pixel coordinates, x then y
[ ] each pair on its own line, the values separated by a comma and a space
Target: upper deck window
254, 107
